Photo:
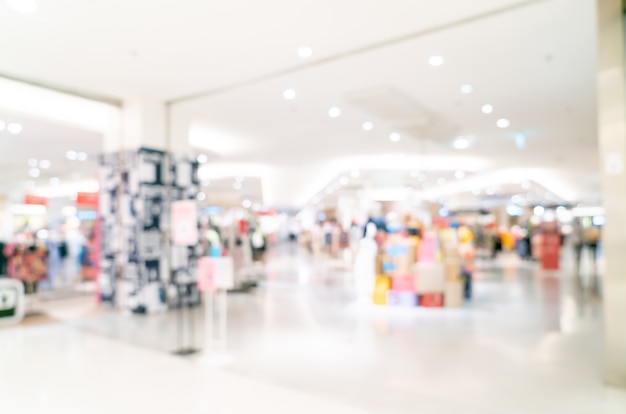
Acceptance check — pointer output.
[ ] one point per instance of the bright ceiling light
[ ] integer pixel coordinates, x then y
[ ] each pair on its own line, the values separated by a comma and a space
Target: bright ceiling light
34, 172
23, 6
2, 125
55, 181
237, 185
81, 156
246, 203
368, 126
289, 94
394, 137
201, 196
202, 158
503, 123
487, 109
343, 181
14, 128
539, 210
355, 173
44, 164
334, 112
305, 52
32, 162
436, 61
462, 143
71, 155
467, 89
459, 175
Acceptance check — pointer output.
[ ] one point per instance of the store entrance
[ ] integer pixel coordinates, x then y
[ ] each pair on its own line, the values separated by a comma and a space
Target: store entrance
49, 236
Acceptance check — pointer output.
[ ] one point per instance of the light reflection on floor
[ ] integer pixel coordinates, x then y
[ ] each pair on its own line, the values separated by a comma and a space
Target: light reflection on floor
529, 342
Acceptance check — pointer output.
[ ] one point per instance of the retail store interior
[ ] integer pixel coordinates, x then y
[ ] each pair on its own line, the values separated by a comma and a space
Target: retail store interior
334, 206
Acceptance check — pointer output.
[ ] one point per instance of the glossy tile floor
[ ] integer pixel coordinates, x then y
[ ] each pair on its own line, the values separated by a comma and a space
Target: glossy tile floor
529, 342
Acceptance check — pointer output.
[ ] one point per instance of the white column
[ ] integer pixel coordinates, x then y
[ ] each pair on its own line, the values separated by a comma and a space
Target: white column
612, 139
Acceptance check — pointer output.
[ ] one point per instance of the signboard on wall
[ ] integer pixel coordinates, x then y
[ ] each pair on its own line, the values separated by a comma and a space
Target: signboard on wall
35, 200
87, 199
185, 223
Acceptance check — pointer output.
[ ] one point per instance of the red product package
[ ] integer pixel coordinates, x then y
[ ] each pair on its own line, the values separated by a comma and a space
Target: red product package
403, 283
431, 300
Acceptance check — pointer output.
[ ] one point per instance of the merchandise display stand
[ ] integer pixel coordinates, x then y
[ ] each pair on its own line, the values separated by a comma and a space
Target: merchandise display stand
432, 271
12, 302
186, 349
185, 233
216, 276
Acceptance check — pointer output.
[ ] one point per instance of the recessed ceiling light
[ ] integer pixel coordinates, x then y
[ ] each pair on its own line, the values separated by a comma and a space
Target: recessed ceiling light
539, 210
237, 185
503, 123
459, 174
32, 162
343, 181
305, 52
368, 126
44, 164
436, 61
55, 181
467, 89
289, 94
34, 172
23, 6
202, 158
81, 156
201, 196
355, 173
2, 125
462, 143
14, 128
487, 109
71, 155
246, 203
394, 137
334, 112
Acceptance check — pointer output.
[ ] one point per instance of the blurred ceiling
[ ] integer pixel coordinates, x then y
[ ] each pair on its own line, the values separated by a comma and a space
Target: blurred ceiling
229, 64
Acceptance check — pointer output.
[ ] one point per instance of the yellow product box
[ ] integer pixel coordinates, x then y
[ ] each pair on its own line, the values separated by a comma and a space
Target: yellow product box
382, 286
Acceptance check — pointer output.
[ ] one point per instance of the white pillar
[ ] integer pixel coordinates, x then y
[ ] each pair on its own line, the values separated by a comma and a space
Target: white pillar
612, 139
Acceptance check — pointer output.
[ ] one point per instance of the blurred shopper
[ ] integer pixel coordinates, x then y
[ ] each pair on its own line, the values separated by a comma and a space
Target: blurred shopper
591, 239
577, 243
258, 242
